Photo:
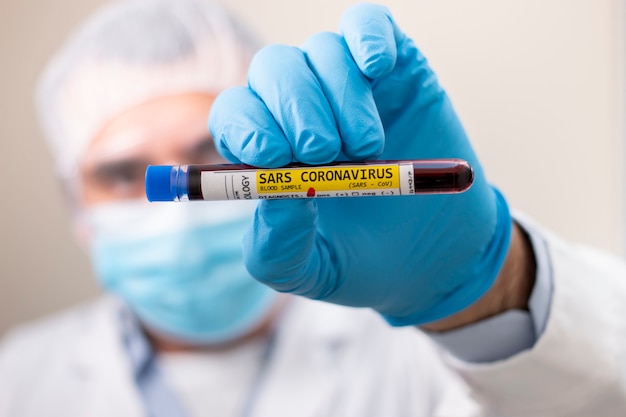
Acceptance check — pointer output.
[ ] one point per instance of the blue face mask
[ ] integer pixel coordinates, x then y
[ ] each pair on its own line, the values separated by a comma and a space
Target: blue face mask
179, 267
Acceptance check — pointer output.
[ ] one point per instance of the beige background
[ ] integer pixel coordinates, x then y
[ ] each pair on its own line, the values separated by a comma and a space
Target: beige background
538, 84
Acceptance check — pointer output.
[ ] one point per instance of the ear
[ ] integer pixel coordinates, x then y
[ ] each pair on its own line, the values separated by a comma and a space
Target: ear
78, 220
81, 231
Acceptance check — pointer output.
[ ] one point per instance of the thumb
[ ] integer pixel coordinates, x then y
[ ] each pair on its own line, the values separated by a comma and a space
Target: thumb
283, 249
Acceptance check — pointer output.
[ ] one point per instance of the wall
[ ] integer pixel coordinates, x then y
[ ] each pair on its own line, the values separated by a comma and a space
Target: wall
537, 83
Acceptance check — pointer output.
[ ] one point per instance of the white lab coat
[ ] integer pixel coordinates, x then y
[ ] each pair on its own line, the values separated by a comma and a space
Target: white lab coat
332, 361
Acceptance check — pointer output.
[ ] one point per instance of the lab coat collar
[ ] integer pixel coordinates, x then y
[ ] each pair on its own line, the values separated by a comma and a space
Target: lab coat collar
304, 374
102, 364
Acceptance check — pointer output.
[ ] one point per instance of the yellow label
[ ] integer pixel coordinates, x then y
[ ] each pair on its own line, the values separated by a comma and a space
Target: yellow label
327, 179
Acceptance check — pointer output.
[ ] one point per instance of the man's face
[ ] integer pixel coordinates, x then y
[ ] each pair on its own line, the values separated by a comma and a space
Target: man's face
171, 130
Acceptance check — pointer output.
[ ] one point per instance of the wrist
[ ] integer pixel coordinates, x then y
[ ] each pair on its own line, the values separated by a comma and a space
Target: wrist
511, 289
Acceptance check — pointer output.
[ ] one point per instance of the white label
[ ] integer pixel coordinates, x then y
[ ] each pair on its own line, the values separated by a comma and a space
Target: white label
357, 180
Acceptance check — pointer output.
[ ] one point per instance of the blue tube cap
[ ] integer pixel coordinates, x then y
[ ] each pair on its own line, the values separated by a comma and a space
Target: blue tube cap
158, 183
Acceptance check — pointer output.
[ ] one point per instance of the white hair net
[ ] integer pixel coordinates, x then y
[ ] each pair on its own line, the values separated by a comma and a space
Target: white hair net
130, 52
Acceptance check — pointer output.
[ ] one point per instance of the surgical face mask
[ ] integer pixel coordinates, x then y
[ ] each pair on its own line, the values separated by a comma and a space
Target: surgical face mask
179, 267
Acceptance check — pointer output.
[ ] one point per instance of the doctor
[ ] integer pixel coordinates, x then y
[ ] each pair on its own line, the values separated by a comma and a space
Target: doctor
529, 324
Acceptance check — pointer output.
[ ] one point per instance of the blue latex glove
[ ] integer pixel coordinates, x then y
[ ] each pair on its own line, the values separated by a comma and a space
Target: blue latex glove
364, 94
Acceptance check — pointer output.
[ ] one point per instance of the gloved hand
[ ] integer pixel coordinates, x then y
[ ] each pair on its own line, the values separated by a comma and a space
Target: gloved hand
364, 94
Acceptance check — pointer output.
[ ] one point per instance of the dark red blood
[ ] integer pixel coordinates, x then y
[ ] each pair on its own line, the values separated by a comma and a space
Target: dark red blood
310, 192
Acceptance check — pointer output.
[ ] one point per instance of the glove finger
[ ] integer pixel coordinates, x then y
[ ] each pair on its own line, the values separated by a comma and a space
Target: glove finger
404, 86
245, 131
283, 251
349, 94
370, 34
280, 76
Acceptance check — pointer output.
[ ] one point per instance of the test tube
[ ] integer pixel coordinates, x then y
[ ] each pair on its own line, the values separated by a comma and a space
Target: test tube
341, 179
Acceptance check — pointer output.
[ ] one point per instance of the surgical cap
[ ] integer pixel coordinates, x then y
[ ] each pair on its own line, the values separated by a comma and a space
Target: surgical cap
128, 53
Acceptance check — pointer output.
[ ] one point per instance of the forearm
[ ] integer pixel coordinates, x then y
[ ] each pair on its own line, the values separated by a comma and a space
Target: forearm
511, 289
